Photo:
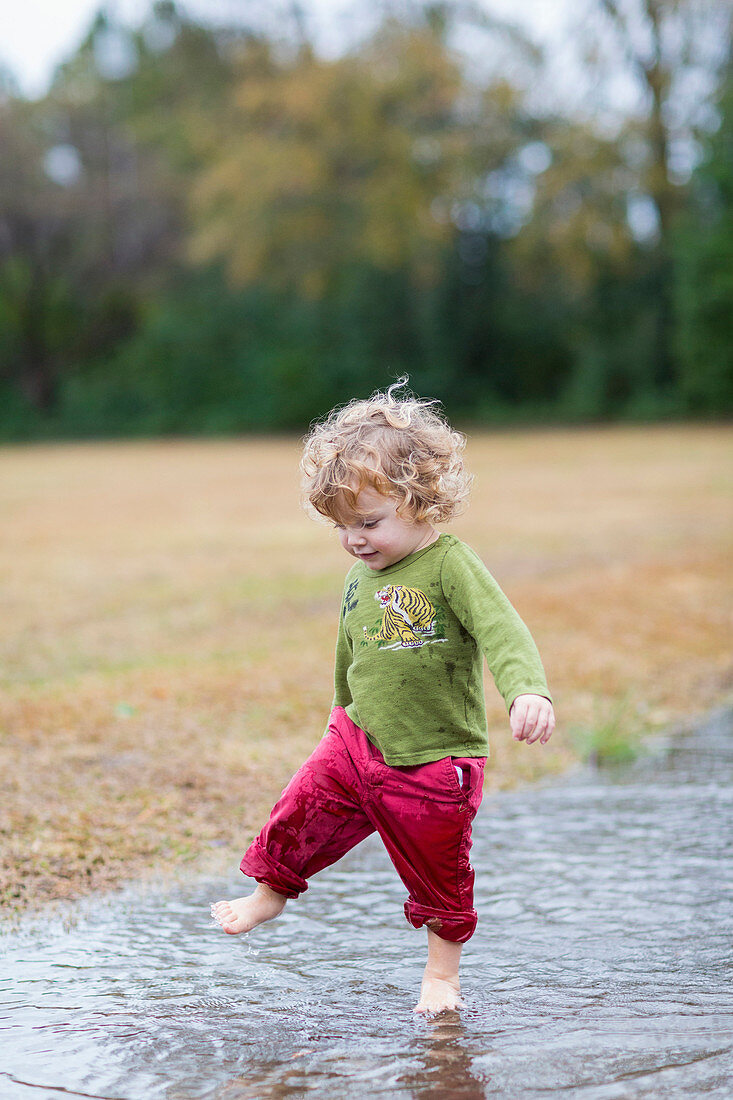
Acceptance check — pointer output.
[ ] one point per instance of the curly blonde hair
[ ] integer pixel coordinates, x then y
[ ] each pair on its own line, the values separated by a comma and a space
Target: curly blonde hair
397, 444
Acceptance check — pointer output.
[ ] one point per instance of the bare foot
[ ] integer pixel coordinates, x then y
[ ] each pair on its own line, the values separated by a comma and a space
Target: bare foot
438, 995
244, 914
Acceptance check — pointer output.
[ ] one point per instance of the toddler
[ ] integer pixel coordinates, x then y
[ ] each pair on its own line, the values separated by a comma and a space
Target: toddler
406, 743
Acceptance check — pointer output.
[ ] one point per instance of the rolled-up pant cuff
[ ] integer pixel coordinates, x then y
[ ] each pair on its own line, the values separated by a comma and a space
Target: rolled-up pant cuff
456, 927
258, 864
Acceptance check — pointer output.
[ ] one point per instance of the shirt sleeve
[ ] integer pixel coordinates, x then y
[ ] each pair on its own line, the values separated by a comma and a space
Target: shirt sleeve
485, 612
342, 664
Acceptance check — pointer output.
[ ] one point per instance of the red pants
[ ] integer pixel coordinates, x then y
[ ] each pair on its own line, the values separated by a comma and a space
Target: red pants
345, 791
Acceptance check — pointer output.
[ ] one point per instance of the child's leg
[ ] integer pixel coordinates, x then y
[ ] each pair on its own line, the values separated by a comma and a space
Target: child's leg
424, 816
441, 987
317, 819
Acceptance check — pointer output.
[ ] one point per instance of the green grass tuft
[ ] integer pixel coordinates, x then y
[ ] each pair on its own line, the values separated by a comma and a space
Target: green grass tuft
614, 738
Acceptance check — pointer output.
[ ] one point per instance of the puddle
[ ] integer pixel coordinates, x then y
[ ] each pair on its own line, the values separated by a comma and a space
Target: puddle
600, 967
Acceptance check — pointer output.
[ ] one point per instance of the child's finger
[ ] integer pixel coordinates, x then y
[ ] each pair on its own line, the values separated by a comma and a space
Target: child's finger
549, 730
538, 733
517, 719
526, 721
545, 726
539, 723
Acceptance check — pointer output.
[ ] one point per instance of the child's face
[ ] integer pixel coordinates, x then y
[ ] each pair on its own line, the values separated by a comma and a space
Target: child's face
379, 536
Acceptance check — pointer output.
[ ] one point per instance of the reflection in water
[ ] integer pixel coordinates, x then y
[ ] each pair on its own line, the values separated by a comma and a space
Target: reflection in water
441, 1071
445, 1073
600, 967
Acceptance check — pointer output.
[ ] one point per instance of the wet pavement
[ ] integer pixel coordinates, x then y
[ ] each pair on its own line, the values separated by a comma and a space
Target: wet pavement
600, 968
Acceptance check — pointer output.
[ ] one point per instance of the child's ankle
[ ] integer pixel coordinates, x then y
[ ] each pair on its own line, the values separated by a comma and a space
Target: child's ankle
441, 974
265, 891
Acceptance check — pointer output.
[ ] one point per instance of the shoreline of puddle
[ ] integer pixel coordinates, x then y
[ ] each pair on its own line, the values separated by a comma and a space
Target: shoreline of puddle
599, 970
63, 914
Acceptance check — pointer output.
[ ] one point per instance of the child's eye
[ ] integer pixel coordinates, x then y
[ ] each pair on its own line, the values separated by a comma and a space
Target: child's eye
370, 524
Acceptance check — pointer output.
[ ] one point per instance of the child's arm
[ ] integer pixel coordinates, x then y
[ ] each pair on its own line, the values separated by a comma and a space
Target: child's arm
486, 613
532, 719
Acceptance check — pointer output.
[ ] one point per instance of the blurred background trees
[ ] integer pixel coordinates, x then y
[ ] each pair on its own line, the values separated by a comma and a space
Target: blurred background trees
208, 228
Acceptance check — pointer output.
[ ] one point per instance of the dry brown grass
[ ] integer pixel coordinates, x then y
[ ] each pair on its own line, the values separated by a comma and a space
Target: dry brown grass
169, 612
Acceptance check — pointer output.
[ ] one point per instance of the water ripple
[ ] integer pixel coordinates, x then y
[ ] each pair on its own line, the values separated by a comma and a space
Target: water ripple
600, 968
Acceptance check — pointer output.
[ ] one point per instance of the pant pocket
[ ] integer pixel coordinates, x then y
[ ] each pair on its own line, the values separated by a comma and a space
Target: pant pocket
467, 775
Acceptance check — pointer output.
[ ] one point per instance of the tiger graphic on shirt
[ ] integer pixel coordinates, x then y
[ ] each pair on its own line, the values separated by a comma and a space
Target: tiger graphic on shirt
408, 619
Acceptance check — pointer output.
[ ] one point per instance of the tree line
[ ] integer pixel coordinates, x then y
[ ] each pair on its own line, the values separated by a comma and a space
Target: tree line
216, 229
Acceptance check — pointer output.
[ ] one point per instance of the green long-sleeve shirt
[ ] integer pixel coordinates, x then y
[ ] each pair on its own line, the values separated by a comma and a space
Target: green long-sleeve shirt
409, 665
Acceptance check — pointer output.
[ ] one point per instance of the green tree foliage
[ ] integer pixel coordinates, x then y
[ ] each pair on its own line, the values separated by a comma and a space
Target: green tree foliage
704, 270
320, 163
36, 297
668, 50
217, 229
92, 179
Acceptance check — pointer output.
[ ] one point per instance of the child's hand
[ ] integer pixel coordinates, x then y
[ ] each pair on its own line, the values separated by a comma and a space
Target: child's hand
532, 719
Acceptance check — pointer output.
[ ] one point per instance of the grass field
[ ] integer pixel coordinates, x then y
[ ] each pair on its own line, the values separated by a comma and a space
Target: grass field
169, 617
